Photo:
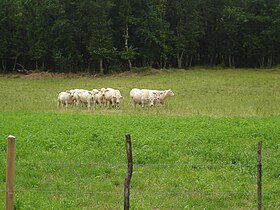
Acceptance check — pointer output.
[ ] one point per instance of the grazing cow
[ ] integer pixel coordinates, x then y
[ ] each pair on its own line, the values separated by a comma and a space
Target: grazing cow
143, 97
88, 98
72, 91
65, 99
112, 96
165, 94
94, 91
75, 93
132, 93
100, 96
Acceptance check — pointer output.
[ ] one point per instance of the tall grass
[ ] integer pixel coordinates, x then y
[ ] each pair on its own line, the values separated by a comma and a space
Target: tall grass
67, 158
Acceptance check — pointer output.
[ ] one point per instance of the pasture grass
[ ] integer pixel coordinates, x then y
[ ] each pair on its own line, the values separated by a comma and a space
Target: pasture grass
76, 159
197, 92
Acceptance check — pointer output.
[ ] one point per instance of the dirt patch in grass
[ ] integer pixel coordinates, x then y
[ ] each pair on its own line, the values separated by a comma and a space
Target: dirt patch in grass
29, 74
43, 74
144, 72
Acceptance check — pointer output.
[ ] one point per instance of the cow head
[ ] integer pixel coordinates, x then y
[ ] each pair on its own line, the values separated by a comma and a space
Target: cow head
151, 100
102, 91
156, 95
70, 93
117, 98
94, 91
169, 92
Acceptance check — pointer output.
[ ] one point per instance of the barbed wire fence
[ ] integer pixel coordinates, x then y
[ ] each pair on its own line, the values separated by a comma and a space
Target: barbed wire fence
10, 176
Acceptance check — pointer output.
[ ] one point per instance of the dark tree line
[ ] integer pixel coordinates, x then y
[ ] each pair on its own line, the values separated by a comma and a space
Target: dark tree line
101, 36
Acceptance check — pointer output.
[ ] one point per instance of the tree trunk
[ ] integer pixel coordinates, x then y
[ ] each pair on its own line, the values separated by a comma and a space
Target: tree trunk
101, 66
229, 61
211, 60
179, 59
151, 62
223, 60
89, 66
160, 61
43, 65
15, 63
164, 61
269, 61
186, 60
262, 62
198, 57
190, 62
216, 58
4, 65
126, 37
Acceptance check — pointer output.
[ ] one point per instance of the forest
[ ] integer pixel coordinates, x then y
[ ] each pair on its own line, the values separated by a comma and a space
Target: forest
105, 36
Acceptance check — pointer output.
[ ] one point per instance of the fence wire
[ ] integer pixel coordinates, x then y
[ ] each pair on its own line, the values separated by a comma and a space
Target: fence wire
143, 165
141, 193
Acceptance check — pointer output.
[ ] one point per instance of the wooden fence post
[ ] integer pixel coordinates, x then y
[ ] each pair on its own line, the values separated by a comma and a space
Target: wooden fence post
259, 176
129, 172
10, 174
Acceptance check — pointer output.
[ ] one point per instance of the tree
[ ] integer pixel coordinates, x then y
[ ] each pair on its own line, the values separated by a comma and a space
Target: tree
123, 21
4, 31
151, 32
187, 30
12, 34
87, 35
35, 32
231, 24
100, 44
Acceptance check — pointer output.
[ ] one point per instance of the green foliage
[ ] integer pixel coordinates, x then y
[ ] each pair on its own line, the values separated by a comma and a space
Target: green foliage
129, 54
100, 39
90, 35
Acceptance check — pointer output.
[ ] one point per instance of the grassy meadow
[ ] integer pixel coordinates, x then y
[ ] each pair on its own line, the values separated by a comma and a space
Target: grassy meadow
196, 152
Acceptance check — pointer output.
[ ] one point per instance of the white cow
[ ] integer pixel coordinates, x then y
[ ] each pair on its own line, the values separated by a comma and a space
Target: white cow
155, 93
112, 96
164, 94
143, 97
132, 93
75, 93
94, 91
88, 98
100, 96
65, 99
72, 91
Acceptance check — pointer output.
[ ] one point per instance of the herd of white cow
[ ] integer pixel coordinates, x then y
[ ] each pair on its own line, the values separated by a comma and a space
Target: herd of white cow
111, 97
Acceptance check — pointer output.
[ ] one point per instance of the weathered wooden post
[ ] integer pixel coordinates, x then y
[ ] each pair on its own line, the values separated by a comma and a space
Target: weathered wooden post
10, 174
129, 172
259, 176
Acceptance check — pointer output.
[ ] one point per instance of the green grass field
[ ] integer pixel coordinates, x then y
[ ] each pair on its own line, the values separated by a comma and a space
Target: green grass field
208, 133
